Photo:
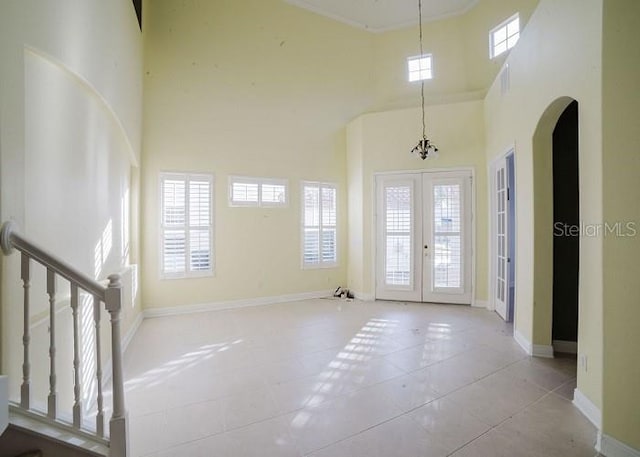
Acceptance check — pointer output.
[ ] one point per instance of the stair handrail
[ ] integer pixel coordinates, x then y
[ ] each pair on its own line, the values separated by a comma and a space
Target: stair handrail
10, 240
110, 295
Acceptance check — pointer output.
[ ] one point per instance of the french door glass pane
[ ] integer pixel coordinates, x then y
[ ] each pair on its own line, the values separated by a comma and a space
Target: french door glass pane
446, 208
398, 235
398, 271
447, 262
447, 249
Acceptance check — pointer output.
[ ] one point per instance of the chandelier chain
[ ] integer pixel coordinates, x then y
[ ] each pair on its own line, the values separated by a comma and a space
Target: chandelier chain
424, 149
424, 127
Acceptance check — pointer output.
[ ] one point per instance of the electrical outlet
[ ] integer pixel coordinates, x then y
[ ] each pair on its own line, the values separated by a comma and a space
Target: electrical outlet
583, 361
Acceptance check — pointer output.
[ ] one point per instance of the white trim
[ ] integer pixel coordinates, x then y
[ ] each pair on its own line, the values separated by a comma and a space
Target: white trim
107, 371
464, 172
480, 304
586, 407
523, 342
542, 350
566, 347
611, 447
535, 350
362, 296
232, 304
419, 171
492, 235
474, 238
36, 423
4, 403
132, 331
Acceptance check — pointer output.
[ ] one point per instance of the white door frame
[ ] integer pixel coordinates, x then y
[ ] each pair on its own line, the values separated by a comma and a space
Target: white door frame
491, 172
374, 229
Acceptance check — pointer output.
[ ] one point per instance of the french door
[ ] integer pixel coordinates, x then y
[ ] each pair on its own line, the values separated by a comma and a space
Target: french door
501, 193
423, 242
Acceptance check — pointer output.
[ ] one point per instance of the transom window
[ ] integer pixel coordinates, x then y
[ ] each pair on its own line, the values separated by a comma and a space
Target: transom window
420, 67
505, 36
186, 225
319, 225
248, 191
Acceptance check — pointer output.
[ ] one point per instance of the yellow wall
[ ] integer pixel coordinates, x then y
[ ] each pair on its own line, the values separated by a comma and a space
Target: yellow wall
621, 169
254, 88
460, 48
356, 221
383, 141
262, 88
541, 73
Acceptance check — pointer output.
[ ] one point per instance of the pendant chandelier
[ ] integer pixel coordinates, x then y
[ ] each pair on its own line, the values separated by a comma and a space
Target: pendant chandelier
424, 149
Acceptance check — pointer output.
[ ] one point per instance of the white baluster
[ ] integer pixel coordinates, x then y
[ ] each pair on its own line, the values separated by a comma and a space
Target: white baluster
51, 290
96, 323
77, 403
118, 425
25, 388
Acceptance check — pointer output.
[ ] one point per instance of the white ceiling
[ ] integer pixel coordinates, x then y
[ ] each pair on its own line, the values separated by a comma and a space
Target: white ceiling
384, 15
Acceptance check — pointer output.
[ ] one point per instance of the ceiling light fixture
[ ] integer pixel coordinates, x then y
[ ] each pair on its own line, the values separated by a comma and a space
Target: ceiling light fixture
424, 149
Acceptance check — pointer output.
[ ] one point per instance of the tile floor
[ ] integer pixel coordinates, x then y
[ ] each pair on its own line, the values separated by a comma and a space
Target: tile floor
331, 378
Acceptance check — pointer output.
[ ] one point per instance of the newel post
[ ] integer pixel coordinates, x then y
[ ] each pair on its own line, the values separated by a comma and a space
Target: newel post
118, 425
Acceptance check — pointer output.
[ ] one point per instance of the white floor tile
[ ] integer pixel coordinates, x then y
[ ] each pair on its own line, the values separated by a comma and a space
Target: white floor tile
336, 378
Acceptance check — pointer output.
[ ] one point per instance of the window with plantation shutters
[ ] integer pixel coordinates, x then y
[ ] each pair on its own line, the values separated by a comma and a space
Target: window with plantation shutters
248, 191
319, 225
186, 225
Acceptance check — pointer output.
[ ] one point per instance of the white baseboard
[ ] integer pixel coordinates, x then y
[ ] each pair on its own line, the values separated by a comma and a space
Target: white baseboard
132, 331
107, 370
523, 342
362, 296
231, 304
480, 304
4, 403
566, 347
611, 447
586, 407
536, 350
542, 350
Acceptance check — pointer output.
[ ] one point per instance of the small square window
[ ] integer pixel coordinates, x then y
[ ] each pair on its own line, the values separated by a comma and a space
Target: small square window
505, 36
420, 67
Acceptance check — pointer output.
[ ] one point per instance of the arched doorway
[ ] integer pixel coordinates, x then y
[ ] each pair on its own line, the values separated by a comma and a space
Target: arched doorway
566, 232
556, 228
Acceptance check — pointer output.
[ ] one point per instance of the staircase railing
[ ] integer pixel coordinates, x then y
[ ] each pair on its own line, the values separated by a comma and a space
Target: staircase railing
111, 296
